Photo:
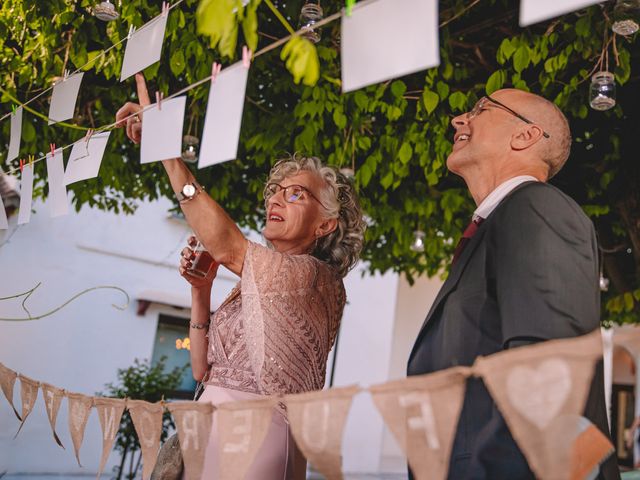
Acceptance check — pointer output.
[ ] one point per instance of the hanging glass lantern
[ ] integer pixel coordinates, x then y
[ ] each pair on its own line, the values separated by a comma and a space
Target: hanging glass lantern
602, 94
626, 15
418, 241
310, 14
348, 172
190, 148
105, 11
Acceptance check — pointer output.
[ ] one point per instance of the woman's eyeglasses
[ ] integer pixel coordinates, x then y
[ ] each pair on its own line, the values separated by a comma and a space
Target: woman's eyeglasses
292, 193
482, 103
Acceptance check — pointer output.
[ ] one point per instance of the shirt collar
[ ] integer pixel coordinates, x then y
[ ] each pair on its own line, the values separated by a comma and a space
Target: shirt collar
492, 200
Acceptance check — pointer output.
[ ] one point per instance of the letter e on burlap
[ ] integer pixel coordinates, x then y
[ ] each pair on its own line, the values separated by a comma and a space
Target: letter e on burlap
109, 413
242, 427
7, 382
193, 422
79, 410
147, 420
541, 390
422, 413
52, 399
28, 395
317, 422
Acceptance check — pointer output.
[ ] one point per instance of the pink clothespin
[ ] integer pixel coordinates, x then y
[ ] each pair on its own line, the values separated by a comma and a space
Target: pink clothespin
165, 8
159, 100
246, 56
21, 165
66, 75
53, 149
215, 70
87, 137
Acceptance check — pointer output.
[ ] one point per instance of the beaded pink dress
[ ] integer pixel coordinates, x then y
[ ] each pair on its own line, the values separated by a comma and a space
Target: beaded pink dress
272, 335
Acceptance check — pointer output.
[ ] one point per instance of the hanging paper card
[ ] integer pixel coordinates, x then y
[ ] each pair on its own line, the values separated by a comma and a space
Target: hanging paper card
109, 413
7, 382
193, 423
57, 201
16, 134
144, 47
534, 11
52, 399
541, 390
162, 131
224, 116
79, 410
85, 158
317, 422
147, 420
386, 39
26, 194
63, 99
422, 413
28, 395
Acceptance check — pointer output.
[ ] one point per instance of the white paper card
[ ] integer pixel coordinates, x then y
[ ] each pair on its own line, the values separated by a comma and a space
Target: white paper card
26, 194
16, 134
224, 116
385, 39
63, 99
144, 47
534, 11
3, 216
162, 131
85, 158
57, 200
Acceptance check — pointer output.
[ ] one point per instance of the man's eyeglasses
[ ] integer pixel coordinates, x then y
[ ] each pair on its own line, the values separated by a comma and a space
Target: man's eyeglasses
292, 193
482, 103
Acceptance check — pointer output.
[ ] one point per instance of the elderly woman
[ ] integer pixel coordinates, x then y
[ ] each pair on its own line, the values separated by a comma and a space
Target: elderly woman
273, 333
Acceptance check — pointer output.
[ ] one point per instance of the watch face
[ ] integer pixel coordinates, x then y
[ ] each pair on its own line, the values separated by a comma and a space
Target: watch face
189, 190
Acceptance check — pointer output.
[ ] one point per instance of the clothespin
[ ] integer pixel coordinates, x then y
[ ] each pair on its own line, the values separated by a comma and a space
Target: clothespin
159, 100
87, 137
66, 75
21, 165
31, 160
132, 29
53, 149
246, 56
350, 4
165, 9
215, 70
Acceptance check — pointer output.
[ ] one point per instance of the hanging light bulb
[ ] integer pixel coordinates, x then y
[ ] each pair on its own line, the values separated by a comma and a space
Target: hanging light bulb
418, 241
310, 14
604, 283
602, 95
190, 148
105, 11
348, 172
626, 15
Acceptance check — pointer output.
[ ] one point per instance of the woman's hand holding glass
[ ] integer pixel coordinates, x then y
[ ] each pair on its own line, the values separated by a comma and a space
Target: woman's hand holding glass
196, 264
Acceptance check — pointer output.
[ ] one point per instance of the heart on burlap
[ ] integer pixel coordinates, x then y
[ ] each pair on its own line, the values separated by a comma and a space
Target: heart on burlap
539, 394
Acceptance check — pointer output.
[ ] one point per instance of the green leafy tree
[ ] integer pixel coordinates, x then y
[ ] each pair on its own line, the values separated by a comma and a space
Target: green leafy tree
141, 381
396, 134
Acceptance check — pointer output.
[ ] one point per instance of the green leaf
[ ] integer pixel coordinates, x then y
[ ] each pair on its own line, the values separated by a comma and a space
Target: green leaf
387, 180
443, 90
505, 51
457, 101
177, 63
301, 59
250, 25
495, 81
398, 88
405, 153
430, 100
521, 58
339, 118
628, 301
217, 20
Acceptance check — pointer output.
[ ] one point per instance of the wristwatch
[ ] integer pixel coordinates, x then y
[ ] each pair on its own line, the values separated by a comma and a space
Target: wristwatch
189, 190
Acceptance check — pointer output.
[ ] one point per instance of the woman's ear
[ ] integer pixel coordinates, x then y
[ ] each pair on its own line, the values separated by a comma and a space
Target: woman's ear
326, 227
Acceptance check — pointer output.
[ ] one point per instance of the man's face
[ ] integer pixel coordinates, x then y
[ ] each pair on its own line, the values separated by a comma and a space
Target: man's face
482, 134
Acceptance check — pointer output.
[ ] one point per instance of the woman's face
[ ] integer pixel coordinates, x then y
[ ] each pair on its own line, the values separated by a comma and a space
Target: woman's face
293, 227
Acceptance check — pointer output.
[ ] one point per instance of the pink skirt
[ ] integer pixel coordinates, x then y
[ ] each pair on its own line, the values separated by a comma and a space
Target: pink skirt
277, 459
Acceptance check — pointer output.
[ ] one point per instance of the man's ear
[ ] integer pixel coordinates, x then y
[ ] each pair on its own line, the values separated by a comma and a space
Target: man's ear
526, 136
326, 227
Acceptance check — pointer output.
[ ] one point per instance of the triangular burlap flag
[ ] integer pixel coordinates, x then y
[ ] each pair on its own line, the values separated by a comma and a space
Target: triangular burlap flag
109, 413
242, 427
147, 420
79, 410
422, 413
539, 389
590, 449
628, 337
52, 398
7, 381
193, 421
28, 395
317, 422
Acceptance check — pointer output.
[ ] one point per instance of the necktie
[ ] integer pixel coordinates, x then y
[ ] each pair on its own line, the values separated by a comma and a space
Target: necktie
469, 232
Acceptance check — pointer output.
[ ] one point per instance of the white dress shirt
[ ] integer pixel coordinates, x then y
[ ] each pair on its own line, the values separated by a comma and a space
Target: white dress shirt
492, 200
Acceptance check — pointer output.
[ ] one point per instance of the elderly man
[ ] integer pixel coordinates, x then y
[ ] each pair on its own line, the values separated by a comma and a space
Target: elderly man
524, 271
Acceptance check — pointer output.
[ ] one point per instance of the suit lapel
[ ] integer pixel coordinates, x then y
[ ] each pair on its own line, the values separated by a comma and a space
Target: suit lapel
452, 280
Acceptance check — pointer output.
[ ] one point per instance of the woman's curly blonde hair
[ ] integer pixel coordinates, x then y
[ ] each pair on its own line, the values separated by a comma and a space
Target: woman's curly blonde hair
340, 248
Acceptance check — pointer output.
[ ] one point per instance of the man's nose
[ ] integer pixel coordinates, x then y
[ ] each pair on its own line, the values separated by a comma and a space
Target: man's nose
460, 120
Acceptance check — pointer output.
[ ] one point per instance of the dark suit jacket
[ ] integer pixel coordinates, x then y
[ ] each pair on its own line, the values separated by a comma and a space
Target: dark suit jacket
530, 273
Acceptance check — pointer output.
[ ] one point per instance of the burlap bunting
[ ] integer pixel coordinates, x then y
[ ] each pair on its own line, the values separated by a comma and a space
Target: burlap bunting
242, 427
422, 413
28, 396
79, 410
147, 420
317, 422
52, 398
541, 391
7, 382
193, 422
109, 413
